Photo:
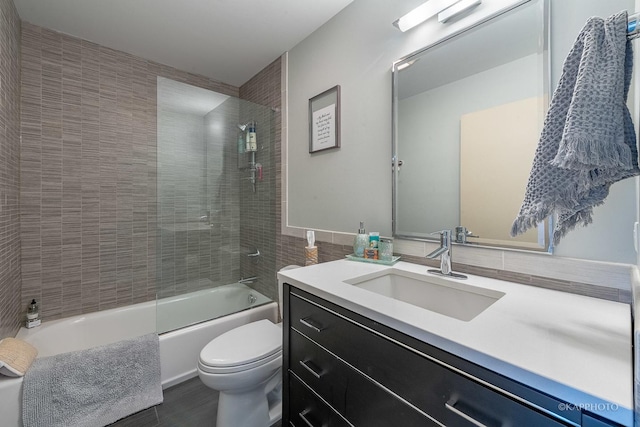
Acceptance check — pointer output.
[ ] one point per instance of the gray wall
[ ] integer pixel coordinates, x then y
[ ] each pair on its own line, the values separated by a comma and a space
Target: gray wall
11, 308
222, 196
336, 189
182, 161
355, 50
259, 211
85, 211
197, 176
88, 173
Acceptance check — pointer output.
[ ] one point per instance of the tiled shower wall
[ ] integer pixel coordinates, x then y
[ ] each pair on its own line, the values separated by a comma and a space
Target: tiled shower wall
88, 171
258, 211
198, 195
9, 169
223, 193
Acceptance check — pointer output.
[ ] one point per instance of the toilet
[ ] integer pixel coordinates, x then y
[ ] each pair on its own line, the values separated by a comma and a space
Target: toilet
245, 366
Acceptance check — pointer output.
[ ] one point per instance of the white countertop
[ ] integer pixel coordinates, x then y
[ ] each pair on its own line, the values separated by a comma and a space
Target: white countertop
576, 348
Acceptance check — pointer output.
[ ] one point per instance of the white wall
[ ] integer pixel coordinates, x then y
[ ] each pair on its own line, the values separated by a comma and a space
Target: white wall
336, 189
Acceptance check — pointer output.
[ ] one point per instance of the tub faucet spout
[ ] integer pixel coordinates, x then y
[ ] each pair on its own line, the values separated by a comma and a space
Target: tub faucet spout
247, 280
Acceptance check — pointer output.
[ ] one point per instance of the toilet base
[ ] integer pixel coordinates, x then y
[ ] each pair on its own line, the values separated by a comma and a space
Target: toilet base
249, 409
274, 399
251, 390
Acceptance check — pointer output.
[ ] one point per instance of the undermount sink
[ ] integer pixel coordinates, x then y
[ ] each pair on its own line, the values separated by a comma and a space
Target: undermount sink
453, 299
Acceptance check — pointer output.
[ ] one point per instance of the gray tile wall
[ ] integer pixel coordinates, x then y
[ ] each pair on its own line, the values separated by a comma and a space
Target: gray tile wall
259, 211
181, 186
223, 194
10, 264
88, 171
198, 177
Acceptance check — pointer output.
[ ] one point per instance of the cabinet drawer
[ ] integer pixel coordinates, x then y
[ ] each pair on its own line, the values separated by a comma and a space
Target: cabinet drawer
307, 410
360, 400
324, 373
464, 399
589, 421
437, 389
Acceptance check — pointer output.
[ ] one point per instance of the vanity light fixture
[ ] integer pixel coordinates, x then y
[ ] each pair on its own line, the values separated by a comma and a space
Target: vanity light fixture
457, 9
405, 65
422, 13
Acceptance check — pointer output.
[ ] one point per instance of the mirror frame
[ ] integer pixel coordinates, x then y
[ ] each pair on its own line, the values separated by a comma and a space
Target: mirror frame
546, 85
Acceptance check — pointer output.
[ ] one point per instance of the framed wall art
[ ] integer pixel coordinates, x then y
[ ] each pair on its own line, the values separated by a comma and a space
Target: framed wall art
324, 120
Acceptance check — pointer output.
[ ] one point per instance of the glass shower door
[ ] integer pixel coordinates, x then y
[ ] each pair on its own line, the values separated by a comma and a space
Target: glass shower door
206, 180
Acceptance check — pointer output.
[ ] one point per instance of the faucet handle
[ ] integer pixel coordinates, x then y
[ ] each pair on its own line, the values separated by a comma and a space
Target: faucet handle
445, 237
462, 233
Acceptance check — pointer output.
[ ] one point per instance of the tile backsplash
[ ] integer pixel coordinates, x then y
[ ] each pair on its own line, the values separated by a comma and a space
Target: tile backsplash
292, 252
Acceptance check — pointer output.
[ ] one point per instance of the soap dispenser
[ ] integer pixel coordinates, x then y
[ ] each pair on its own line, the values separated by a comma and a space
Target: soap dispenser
33, 315
361, 241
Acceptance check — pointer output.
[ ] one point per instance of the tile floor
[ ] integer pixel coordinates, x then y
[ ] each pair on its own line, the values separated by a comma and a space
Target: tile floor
189, 404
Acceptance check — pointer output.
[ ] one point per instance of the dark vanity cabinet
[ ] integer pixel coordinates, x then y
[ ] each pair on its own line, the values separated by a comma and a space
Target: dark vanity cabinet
342, 369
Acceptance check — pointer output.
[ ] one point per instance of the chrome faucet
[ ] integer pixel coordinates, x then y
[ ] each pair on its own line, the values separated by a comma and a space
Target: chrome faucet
462, 234
444, 252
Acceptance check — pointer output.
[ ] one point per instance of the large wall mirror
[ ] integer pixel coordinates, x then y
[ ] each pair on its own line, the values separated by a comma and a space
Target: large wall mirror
468, 112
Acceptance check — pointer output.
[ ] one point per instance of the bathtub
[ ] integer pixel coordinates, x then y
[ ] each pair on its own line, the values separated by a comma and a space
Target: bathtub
179, 348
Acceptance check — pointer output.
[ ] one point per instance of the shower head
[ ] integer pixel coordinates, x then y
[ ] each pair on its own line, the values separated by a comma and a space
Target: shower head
249, 125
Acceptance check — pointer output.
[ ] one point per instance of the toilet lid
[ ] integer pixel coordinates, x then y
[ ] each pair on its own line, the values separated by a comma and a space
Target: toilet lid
243, 345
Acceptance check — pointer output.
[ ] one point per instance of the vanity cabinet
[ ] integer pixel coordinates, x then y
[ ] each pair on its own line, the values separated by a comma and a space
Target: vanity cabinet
341, 368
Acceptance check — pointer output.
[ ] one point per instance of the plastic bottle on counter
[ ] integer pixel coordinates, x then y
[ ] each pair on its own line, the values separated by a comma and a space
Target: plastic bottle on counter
361, 241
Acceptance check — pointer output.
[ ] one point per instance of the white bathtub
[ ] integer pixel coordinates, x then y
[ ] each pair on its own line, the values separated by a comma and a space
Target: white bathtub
179, 349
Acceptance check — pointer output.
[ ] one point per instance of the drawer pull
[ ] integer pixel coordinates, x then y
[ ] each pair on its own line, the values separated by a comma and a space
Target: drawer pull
310, 324
303, 417
312, 368
465, 416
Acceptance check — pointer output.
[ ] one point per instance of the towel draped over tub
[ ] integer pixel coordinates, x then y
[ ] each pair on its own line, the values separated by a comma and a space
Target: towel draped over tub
588, 141
16, 356
93, 387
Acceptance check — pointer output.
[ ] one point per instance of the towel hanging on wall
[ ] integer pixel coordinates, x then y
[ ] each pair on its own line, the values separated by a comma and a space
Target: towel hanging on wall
588, 140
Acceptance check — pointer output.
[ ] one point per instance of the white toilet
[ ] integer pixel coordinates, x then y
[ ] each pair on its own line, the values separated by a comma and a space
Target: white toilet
245, 366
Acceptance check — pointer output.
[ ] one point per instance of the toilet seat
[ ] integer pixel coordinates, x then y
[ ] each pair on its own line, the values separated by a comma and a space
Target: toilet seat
237, 368
242, 348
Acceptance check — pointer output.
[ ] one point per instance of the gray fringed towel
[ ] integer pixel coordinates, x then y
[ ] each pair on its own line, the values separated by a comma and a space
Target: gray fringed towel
93, 387
588, 140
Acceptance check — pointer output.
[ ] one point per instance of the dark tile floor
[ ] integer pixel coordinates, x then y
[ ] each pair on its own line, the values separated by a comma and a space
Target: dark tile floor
188, 404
